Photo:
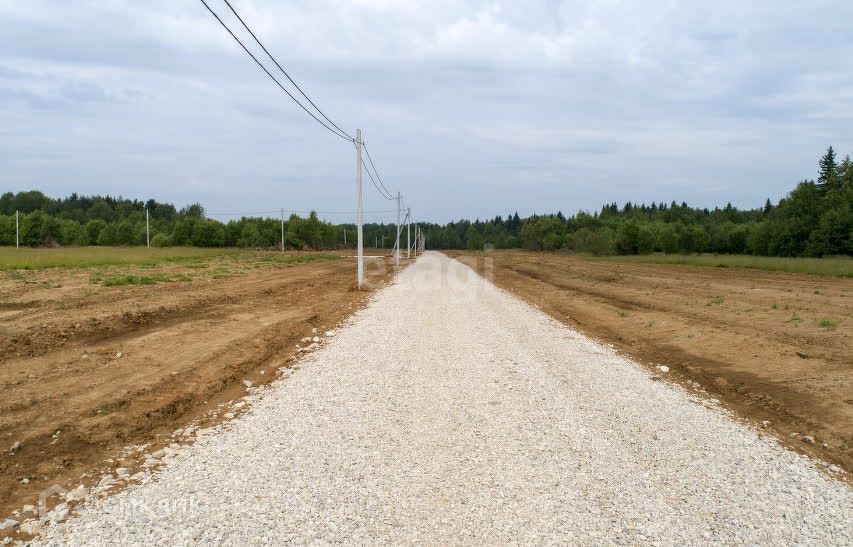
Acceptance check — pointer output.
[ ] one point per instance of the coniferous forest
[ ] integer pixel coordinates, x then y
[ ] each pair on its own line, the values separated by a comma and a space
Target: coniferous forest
814, 219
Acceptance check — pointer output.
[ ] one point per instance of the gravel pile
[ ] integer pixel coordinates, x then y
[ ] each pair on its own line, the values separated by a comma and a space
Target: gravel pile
450, 411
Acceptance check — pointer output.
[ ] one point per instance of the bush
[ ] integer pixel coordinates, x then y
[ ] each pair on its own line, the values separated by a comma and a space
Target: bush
208, 233
161, 240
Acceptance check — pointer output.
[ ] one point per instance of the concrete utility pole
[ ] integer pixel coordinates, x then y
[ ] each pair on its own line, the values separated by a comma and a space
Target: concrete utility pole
282, 230
17, 232
345, 237
397, 244
408, 231
359, 211
147, 230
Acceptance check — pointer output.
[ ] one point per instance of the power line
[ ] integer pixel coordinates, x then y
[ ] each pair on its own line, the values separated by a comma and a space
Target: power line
383, 193
376, 171
318, 120
284, 71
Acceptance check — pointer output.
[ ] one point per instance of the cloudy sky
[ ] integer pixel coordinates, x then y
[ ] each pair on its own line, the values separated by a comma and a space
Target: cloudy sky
470, 108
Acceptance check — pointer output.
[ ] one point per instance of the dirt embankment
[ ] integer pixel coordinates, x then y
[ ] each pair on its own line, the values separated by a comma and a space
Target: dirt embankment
87, 369
774, 347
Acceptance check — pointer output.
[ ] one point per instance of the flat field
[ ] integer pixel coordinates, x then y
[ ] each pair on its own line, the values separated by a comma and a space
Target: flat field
773, 346
841, 266
101, 348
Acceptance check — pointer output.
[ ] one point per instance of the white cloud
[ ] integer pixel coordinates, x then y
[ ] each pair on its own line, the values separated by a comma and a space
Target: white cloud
650, 100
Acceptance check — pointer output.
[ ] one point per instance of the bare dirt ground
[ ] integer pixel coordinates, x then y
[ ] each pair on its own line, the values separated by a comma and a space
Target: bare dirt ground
86, 369
774, 347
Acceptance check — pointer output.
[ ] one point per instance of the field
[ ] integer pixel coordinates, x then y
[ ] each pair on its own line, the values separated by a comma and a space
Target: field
773, 346
27, 258
841, 266
101, 348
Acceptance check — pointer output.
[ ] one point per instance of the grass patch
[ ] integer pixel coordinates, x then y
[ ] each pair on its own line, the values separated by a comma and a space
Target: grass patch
716, 301
827, 324
288, 260
120, 280
89, 257
839, 266
119, 406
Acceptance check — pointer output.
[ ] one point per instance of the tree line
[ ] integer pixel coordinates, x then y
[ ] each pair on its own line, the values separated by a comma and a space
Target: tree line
814, 219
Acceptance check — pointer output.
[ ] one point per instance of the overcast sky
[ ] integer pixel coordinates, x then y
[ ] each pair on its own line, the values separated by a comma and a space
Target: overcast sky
470, 109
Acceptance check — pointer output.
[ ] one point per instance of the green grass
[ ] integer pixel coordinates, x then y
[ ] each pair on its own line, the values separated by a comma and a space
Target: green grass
109, 408
839, 266
119, 280
716, 301
13, 260
88, 257
827, 324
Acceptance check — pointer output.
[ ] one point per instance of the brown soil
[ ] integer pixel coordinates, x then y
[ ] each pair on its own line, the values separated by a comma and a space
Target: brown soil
185, 347
749, 337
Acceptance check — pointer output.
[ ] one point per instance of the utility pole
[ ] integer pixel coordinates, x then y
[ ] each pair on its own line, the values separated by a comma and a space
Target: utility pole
147, 230
17, 232
408, 232
282, 230
397, 255
345, 238
359, 211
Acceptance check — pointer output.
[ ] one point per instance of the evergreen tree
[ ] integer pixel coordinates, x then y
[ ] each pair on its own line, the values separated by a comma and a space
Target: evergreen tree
828, 168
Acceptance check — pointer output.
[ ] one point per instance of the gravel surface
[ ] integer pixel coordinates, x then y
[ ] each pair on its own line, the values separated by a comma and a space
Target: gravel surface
450, 411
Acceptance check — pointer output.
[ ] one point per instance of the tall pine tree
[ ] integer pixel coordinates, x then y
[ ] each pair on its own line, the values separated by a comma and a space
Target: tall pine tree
828, 169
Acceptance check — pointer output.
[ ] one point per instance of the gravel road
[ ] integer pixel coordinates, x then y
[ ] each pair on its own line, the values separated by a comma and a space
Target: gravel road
450, 411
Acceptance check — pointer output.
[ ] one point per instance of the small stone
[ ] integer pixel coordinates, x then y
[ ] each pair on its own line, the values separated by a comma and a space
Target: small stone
59, 513
663, 368
808, 439
228, 415
802, 355
31, 527
25, 480
139, 477
315, 339
834, 468
158, 454
8, 523
247, 383
263, 372
123, 472
329, 333
150, 462
765, 423
106, 480
178, 433
78, 494
118, 355
314, 330
16, 446
29, 509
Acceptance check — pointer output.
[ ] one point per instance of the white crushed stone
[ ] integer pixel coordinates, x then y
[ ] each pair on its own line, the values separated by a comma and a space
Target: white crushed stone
449, 411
